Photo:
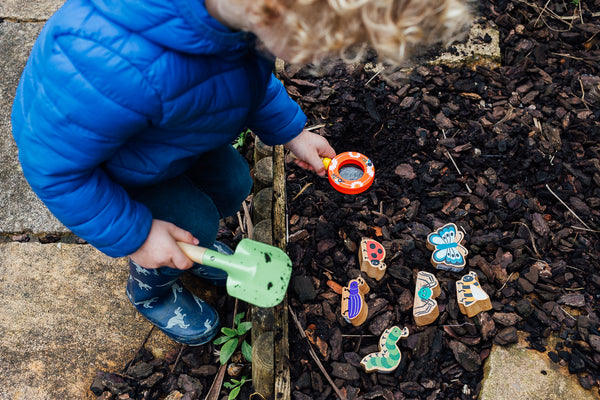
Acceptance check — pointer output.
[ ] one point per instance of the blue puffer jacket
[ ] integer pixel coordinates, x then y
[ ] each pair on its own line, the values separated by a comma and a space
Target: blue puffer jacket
128, 93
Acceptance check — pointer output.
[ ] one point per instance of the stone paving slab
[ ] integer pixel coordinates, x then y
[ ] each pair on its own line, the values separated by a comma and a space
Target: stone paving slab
518, 373
28, 10
63, 316
20, 210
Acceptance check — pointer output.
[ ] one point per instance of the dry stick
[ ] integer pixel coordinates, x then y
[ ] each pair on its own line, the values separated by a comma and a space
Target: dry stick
312, 128
373, 77
568, 208
248, 220
215, 388
302, 190
316, 358
455, 166
507, 279
530, 237
183, 346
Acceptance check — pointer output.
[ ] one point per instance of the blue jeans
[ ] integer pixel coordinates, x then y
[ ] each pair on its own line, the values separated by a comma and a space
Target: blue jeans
213, 188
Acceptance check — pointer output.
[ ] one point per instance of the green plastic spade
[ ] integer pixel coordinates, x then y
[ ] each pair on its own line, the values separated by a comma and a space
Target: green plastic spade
256, 272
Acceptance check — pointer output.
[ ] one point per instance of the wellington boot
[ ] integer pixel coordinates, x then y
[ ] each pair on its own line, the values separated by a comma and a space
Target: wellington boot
160, 297
216, 276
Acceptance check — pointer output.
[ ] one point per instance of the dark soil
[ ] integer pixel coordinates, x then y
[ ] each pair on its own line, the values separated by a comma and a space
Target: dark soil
510, 155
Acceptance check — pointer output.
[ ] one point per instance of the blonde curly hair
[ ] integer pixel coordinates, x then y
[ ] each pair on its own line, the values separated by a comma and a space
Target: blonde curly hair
344, 29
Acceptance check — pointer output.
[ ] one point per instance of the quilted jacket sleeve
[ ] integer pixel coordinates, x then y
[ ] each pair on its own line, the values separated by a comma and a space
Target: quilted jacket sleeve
279, 119
68, 117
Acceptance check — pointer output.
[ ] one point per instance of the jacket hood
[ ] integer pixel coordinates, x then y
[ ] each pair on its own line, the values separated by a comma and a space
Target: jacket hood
181, 25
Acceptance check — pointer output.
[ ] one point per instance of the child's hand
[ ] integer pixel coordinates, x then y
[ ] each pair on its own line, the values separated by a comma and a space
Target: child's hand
310, 149
161, 249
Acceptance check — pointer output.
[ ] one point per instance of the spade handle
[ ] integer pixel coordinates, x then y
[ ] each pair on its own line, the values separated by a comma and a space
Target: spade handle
194, 253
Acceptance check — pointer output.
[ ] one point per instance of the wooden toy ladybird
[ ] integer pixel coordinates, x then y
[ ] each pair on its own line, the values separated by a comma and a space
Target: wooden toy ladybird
472, 299
425, 308
354, 306
448, 254
389, 356
372, 255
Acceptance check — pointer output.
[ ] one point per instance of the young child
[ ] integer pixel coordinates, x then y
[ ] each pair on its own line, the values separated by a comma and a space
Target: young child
125, 113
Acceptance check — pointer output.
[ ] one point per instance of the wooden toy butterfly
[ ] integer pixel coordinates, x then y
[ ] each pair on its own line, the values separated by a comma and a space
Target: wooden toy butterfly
448, 253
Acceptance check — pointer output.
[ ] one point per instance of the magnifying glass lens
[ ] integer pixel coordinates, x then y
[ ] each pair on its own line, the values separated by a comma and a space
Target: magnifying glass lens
351, 172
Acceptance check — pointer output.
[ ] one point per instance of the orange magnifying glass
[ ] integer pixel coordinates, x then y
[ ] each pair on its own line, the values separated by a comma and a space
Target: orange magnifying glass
350, 172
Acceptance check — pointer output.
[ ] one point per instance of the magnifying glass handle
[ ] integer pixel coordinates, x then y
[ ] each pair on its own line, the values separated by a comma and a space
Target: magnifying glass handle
326, 161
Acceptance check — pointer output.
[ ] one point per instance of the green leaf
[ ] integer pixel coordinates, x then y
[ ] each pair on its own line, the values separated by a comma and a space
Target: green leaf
227, 350
221, 340
235, 381
238, 318
228, 385
229, 332
243, 328
247, 351
234, 393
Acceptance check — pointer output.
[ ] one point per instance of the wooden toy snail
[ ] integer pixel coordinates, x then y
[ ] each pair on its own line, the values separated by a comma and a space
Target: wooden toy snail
354, 306
472, 299
425, 308
371, 257
389, 356
448, 254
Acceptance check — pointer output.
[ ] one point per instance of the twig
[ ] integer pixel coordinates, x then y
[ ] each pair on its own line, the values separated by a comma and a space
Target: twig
248, 220
568, 208
585, 229
316, 358
456, 166
530, 237
505, 282
312, 128
373, 77
302, 190
565, 311
215, 388
183, 346
458, 325
574, 289
567, 56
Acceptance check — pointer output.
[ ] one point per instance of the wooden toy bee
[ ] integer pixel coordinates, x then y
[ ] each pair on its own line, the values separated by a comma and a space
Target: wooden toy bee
354, 306
448, 253
425, 308
472, 299
388, 358
371, 258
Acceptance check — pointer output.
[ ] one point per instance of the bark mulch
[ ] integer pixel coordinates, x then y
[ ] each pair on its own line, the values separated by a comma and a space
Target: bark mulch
510, 155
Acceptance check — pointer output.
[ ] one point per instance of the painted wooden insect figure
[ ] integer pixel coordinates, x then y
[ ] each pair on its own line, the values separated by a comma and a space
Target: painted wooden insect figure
472, 299
425, 308
388, 357
354, 306
371, 256
448, 253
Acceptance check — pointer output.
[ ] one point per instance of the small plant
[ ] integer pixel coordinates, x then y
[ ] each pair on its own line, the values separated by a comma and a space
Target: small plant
241, 139
235, 386
231, 339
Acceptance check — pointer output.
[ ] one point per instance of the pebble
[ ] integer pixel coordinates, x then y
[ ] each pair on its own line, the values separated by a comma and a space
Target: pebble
506, 319
573, 300
344, 371
506, 336
467, 358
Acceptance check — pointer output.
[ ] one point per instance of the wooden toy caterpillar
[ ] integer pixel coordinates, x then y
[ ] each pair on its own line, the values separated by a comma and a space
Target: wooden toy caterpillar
472, 299
388, 358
